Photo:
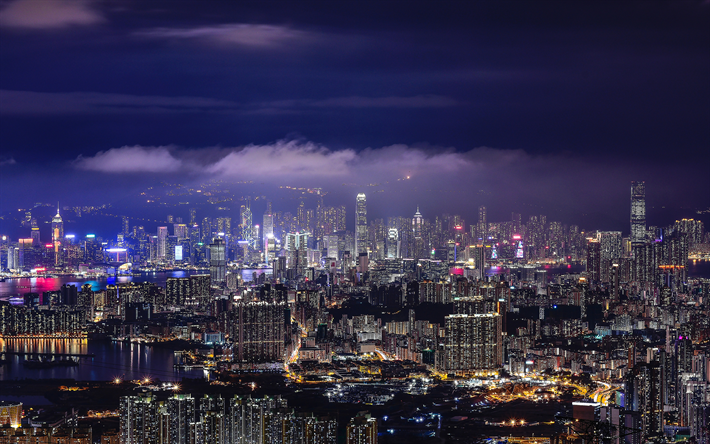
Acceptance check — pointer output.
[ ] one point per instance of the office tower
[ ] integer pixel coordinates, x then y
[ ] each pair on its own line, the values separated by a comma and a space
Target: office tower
297, 250
34, 234
207, 231
638, 212
392, 244
417, 222
257, 330
57, 236
140, 420
482, 228
362, 429
162, 242
473, 342
245, 222
57, 227
340, 218
479, 259
644, 391
361, 224
180, 411
218, 261
171, 242
180, 230
268, 222
125, 228
594, 261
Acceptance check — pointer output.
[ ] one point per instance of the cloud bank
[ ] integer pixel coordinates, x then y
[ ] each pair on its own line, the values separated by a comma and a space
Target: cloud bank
49, 14
131, 159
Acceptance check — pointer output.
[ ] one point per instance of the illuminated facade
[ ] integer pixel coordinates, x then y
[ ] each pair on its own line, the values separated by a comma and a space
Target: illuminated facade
362, 429
361, 224
638, 212
57, 236
218, 261
258, 330
162, 242
10, 414
473, 342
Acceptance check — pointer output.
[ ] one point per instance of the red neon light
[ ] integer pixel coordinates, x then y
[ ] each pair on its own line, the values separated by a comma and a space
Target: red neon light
49, 246
516, 236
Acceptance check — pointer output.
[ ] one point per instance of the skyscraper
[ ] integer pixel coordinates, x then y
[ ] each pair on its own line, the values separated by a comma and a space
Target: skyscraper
57, 236
638, 212
162, 242
245, 221
482, 228
268, 226
644, 390
218, 261
594, 253
361, 224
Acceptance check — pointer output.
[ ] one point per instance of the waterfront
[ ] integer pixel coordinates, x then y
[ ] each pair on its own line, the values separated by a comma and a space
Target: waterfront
20, 286
125, 360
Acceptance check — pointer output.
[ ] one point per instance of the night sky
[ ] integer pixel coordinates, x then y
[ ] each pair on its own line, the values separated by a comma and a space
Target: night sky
514, 105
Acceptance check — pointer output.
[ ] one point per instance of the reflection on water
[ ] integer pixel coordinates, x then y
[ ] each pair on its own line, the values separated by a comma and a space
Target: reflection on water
14, 287
45, 345
110, 360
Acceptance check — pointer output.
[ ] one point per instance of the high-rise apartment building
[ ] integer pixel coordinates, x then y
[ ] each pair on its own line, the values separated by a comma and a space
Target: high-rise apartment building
180, 414
473, 342
257, 330
140, 420
644, 391
362, 429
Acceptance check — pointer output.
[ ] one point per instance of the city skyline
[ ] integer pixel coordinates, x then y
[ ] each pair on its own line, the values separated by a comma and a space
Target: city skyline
368, 222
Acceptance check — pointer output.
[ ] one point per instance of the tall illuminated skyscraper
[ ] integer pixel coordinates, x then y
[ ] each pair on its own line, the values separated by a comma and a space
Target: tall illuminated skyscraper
245, 221
162, 242
268, 225
361, 224
482, 228
218, 261
638, 212
57, 236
